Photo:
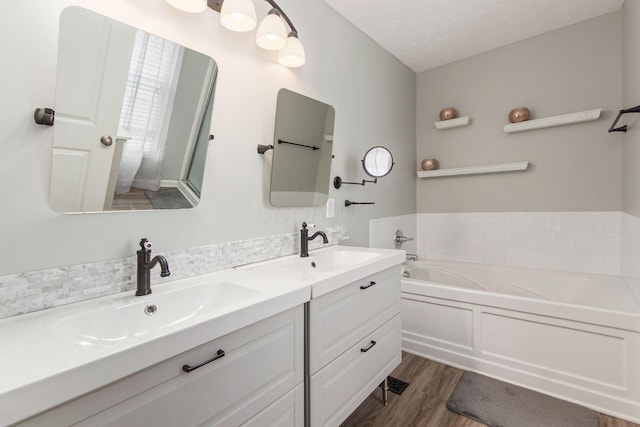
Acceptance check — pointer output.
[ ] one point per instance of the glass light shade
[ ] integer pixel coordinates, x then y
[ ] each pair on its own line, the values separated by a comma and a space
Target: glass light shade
192, 6
293, 53
238, 15
272, 34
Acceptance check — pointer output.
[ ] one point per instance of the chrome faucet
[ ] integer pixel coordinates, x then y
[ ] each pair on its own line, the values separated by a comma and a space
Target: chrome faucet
145, 264
304, 239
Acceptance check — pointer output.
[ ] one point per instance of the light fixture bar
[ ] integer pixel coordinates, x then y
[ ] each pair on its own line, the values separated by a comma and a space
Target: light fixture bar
283, 15
215, 5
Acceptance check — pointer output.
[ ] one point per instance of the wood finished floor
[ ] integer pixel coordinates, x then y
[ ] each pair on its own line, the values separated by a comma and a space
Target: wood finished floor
423, 403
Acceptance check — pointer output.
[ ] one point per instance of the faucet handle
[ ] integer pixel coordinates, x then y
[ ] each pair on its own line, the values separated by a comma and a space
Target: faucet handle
145, 244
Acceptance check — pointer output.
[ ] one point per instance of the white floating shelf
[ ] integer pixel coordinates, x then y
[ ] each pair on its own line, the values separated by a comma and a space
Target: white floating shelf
453, 123
547, 122
471, 170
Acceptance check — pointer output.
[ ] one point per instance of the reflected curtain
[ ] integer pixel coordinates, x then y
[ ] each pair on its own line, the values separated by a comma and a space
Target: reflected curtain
146, 111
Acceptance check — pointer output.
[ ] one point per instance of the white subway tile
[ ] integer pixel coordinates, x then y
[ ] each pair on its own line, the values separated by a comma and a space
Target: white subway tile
612, 222
612, 265
589, 221
538, 240
494, 219
590, 263
515, 239
538, 259
494, 256
562, 221
563, 241
538, 221
612, 244
563, 260
516, 257
494, 238
589, 242
515, 220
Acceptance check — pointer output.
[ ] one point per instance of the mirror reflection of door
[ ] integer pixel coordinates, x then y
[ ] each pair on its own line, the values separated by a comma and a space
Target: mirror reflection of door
149, 97
198, 158
89, 93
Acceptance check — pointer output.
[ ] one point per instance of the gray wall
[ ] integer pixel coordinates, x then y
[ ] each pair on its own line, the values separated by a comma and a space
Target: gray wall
373, 94
631, 98
575, 168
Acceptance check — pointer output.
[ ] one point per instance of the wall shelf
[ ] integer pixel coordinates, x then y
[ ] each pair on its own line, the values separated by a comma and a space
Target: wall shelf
547, 122
472, 170
452, 123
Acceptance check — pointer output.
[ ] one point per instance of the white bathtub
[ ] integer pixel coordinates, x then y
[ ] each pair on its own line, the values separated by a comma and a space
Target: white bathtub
571, 335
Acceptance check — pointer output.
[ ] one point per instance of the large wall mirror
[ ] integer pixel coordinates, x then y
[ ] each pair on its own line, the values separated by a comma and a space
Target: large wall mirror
132, 119
302, 151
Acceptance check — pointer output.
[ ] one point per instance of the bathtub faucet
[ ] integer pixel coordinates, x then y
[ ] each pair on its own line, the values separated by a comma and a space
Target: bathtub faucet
304, 239
145, 264
412, 257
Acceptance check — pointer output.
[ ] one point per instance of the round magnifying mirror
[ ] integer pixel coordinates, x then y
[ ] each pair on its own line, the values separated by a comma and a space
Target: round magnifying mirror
377, 162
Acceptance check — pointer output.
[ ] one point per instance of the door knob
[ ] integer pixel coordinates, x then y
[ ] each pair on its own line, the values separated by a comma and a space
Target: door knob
106, 140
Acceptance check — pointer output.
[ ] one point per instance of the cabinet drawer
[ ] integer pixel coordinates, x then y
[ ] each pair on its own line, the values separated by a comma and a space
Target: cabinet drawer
341, 318
338, 389
288, 411
261, 363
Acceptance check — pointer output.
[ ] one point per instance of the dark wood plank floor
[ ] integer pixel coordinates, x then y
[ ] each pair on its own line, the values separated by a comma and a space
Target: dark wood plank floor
423, 403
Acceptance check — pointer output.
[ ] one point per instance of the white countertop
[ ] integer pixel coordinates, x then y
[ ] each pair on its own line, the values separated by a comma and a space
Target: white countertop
55, 355
45, 361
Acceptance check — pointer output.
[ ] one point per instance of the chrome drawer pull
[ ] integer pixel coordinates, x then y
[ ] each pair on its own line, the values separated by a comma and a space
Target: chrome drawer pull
367, 286
367, 348
189, 368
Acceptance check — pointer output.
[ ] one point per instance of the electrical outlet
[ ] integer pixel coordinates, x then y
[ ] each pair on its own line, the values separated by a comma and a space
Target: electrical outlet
331, 208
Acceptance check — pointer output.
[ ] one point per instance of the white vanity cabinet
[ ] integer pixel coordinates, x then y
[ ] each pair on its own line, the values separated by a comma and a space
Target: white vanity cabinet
258, 381
354, 343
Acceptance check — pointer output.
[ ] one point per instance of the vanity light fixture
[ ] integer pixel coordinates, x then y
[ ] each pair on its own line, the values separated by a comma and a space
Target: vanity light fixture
240, 16
272, 34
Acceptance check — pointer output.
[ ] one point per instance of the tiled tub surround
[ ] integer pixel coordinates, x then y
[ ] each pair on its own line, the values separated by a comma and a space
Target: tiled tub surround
588, 242
37, 290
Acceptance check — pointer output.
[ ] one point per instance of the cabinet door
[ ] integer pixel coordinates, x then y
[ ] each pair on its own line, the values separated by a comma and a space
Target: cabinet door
343, 317
338, 388
288, 411
262, 362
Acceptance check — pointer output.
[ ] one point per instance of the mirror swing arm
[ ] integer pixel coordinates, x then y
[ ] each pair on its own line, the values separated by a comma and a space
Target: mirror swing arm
337, 182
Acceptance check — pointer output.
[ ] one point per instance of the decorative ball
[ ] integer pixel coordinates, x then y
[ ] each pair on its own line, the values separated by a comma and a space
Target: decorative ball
518, 115
448, 113
429, 164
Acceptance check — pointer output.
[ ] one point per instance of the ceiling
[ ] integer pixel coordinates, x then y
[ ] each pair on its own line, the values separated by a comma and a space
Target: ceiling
425, 34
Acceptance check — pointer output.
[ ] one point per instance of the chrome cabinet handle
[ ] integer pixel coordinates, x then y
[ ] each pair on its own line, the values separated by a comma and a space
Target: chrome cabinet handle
369, 347
368, 286
106, 140
189, 368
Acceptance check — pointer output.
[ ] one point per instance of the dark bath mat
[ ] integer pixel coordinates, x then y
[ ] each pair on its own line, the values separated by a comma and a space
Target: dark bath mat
396, 386
499, 404
167, 199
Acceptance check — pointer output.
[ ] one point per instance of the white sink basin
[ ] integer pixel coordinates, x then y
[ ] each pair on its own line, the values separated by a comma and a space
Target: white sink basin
58, 354
330, 268
113, 324
329, 261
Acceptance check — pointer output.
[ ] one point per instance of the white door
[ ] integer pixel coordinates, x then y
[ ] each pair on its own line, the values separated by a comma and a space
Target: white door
94, 53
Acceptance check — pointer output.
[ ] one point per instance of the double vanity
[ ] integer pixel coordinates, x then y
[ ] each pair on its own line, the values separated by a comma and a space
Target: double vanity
292, 341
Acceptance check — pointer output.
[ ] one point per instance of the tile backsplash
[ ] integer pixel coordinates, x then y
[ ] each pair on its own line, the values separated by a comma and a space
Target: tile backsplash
37, 290
589, 242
